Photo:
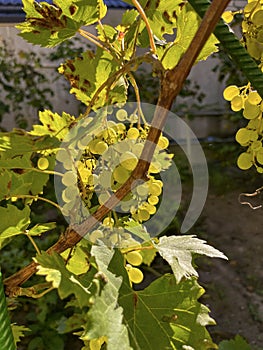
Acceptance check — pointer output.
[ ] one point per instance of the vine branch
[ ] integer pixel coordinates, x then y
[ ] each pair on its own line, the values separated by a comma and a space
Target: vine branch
171, 84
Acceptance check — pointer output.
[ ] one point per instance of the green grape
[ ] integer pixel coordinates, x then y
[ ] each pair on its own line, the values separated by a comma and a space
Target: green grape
250, 111
103, 197
115, 238
257, 18
100, 147
253, 124
104, 179
142, 190
143, 215
95, 235
251, 7
42, 163
253, 135
155, 189
137, 149
163, 142
153, 200
134, 258
133, 134
62, 156
121, 115
228, 16
245, 161
121, 174
237, 103
108, 222
128, 160
70, 193
230, 92
254, 98
110, 135
243, 136
133, 118
69, 178
155, 167
83, 143
84, 172
256, 145
135, 274
150, 208
121, 127
259, 156
260, 170
260, 36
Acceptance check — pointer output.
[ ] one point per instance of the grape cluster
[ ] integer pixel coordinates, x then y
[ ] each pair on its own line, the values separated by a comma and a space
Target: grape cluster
109, 154
133, 260
250, 102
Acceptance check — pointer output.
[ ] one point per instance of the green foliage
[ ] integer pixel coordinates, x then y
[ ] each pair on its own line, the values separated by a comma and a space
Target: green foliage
235, 344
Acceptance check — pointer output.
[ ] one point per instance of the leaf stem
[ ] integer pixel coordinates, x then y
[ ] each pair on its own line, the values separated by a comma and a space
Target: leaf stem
37, 198
33, 243
145, 19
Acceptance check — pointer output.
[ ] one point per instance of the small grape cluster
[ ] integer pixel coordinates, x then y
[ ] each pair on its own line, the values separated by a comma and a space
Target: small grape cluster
251, 136
109, 154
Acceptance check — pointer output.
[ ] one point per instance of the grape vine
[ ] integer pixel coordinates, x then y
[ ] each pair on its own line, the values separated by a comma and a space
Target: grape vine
108, 164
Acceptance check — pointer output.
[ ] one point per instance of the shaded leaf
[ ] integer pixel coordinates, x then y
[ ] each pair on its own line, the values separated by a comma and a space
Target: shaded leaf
106, 316
18, 332
38, 229
235, 344
54, 269
178, 251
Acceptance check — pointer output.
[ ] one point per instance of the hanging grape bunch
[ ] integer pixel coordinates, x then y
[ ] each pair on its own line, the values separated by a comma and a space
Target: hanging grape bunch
245, 98
109, 154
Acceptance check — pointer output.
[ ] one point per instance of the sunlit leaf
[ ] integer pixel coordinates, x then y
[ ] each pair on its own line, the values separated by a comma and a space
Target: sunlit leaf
178, 251
18, 332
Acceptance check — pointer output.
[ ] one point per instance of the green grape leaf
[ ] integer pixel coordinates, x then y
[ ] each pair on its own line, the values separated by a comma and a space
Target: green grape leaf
88, 73
187, 25
178, 251
38, 229
77, 259
46, 25
171, 309
53, 124
137, 230
234, 344
52, 266
106, 316
13, 222
18, 332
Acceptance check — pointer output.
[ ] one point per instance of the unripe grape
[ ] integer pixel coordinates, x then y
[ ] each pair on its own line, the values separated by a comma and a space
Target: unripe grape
237, 103
100, 147
155, 167
128, 160
142, 190
133, 133
134, 258
155, 189
257, 18
143, 215
69, 178
135, 274
42, 163
243, 136
250, 111
137, 149
153, 200
120, 174
259, 156
228, 16
256, 145
70, 193
245, 161
163, 142
254, 98
230, 92
121, 115
108, 221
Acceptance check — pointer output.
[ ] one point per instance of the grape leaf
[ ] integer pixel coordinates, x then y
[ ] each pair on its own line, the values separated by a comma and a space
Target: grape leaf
106, 316
18, 332
178, 251
171, 309
88, 73
13, 222
234, 344
53, 124
38, 229
187, 25
52, 266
